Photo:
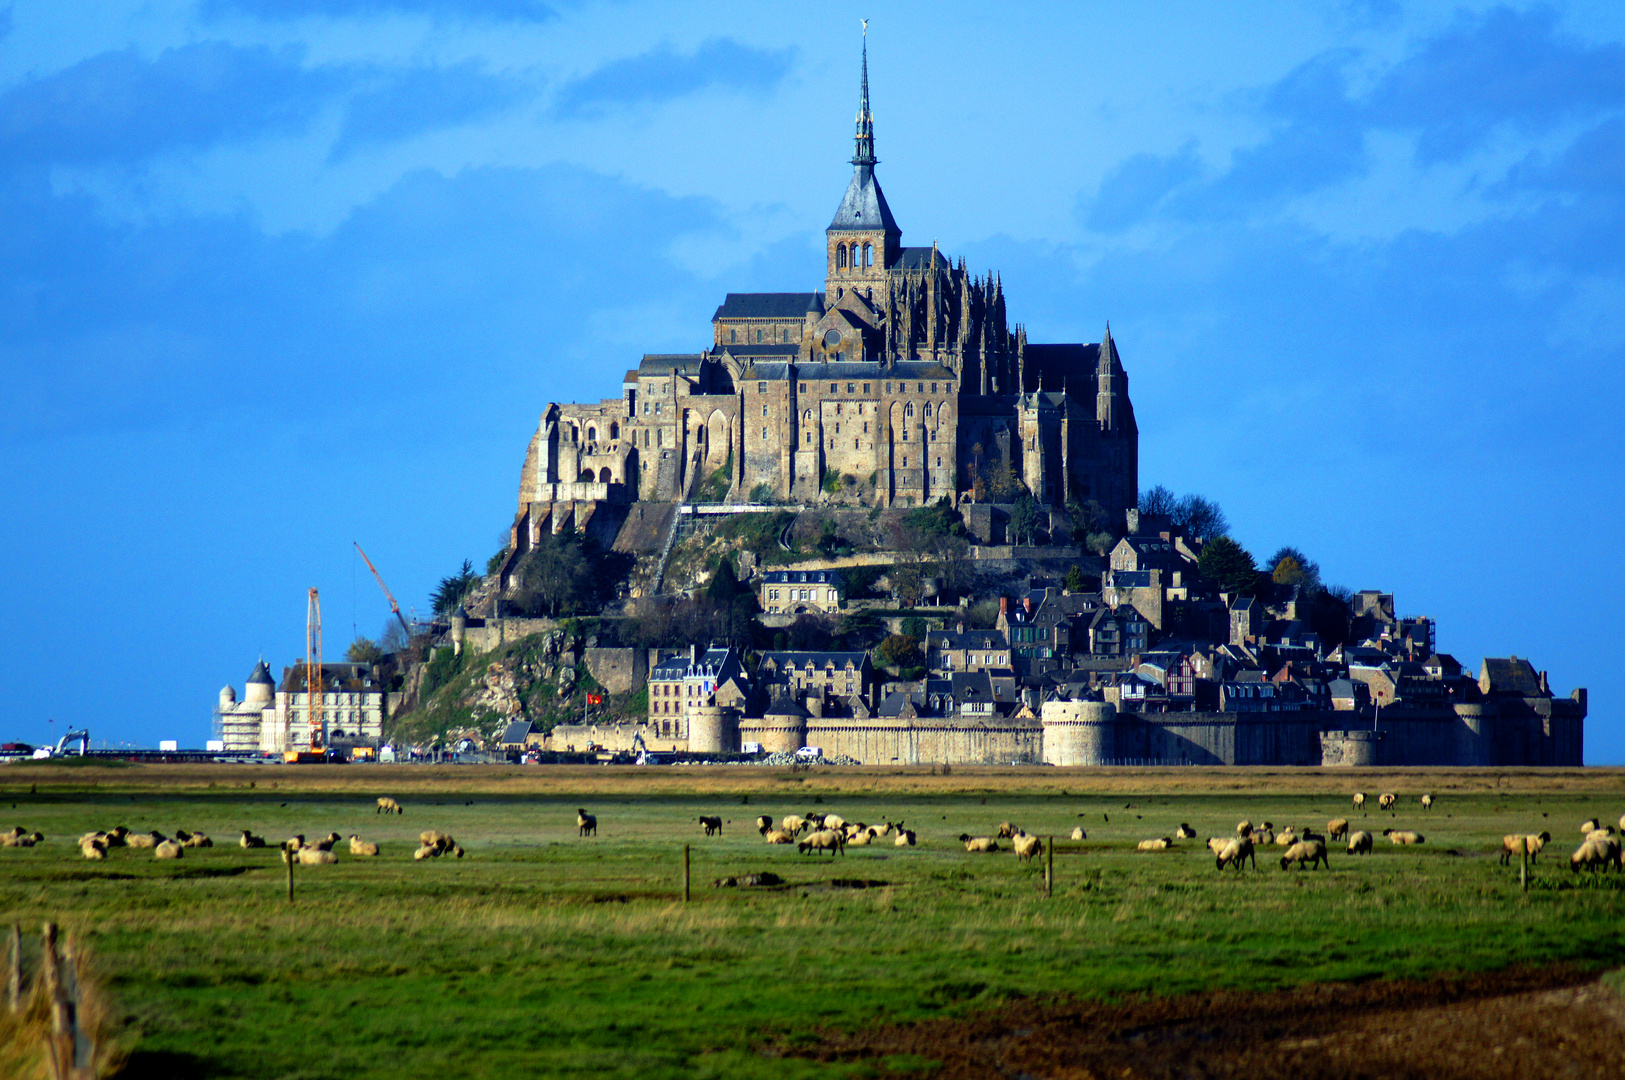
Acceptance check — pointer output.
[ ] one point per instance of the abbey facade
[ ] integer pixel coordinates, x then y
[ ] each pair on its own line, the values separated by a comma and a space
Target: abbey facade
897, 384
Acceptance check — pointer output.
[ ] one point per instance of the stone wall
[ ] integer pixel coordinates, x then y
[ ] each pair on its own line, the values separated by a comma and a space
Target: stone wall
620, 671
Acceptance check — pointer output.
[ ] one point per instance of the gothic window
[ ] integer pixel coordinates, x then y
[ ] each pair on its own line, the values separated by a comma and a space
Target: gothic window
592, 434
856, 262
855, 445
807, 416
832, 444
928, 410
866, 427
868, 255
908, 410
837, 426
840, 257
733, 335
614, 431
603, 475
659, 440
837, 408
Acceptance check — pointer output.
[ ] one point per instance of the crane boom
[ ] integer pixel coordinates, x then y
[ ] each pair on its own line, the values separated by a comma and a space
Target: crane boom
393, 606
315, 682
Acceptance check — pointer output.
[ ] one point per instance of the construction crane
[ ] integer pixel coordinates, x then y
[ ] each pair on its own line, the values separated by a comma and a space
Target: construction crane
393, 606
315, 687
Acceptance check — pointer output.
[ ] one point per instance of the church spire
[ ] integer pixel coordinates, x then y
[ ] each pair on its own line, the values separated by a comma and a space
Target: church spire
864, 152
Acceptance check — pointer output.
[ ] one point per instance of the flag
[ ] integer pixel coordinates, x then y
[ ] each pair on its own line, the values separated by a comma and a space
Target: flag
595, 699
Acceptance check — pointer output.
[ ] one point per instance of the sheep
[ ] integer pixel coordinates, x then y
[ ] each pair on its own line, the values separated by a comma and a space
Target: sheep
979, 844
249, 840
1078, 833
1286, 837
359, 846
1358, 800
586, 823
1427, 801
793, 824
1622, 822
326, 843
1263, 837
1310, 834
457, 850
1517, 844
1359, 842
833, 821
294, 843
1006, 830
1404, 836
712, 824
1244, 828
386, 805
310, 856
93, 850
1386, 800
16, 838
1594, 853
168, 850
1337, 828
425, 851
144, 840
778, 836
1161, 843
883, 829
815, 819
1589, 825
1028, 846
1216, 844
1312, 852
1234, 853
905, 838
1185, 832
860, 838
763, 824
197, 840
829, 840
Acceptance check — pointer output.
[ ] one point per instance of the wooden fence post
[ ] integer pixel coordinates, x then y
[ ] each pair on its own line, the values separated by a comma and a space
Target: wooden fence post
685, 874
14, 981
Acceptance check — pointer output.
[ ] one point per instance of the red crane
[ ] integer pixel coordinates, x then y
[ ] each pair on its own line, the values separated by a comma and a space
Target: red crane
393, 606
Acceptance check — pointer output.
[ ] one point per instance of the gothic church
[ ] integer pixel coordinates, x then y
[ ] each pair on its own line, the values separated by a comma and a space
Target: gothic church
899, 383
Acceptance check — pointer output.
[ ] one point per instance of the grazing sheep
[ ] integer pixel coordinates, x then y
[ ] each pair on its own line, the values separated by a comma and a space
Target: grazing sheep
1312, 852
434, 838
359, 846
458, 851
1337, 828
309, 856
425, 851
1028, 846
1078, 833
712, 823
1622, 822
830, 840
1234, 853
793, 824
815, 820
386, 805
763, 824
1185, 832
249, 840
1359, 842
586, 823
1404, 836
905, 838
1359, 800
1262, 837
979, 844
1006, 831
1244, 828
168, 850
1589, 825
1427, 801
1216, 844
833, 821
1517, 844
1594, 853
144, 840
1286, 837
1386, 799
778, 836
1161, 843
326, 843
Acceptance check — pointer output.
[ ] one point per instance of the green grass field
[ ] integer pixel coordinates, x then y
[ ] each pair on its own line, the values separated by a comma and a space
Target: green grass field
546, 954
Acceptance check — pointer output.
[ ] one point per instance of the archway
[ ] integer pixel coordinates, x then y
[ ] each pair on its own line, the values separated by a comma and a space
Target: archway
716, 439
603, 475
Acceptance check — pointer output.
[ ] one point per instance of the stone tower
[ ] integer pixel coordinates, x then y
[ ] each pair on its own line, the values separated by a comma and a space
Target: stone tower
863, 239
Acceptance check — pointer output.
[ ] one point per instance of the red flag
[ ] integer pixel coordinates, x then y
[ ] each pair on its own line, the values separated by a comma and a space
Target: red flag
595, 699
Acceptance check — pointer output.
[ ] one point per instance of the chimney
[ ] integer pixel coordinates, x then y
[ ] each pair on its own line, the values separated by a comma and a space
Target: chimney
693, 652
1004, 607
961, 626
1545, 687
1027, 604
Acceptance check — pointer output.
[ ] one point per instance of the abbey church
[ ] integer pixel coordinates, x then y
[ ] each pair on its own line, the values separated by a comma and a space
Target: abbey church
899, 383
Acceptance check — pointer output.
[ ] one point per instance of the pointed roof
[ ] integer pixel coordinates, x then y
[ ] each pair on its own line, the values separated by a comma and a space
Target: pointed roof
1109, 360
864, 205
262, 674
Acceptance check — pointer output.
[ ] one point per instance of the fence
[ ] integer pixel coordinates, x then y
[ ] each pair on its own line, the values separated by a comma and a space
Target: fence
52, 1001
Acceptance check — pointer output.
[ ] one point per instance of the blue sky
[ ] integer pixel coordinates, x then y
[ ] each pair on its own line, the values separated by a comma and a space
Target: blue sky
284, 274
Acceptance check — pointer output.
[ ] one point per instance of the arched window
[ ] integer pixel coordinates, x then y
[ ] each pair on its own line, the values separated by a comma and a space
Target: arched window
807, 416
928, 410
592, 434
857, 257
733, 335
868, 255
908, 410
614, 431
585, 477
758, 337
603, 475
840, 257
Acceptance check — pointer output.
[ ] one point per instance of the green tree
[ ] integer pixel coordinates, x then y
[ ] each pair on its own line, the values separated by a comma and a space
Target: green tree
899, 651
1025, 517
1075, 581
363, 651
451, 590
1228, 565
914, 627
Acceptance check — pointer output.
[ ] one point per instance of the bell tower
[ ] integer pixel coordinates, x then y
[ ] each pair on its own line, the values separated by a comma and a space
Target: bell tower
863, 239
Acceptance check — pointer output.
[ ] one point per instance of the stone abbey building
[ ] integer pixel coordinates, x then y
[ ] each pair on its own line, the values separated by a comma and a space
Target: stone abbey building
900, 382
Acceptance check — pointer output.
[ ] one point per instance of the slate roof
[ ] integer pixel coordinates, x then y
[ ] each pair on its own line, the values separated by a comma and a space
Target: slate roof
864, 204
803, 577
663, 363
896, 700
820, 660
515, 732
1510, 676
717, 664
785, 707
970, 639
766, 348
768, 305
262, 673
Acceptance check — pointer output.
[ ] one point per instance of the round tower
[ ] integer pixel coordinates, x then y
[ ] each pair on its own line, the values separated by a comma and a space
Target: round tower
228, 698
1079, 732
459, 629
784, 729
261, 690
713, 730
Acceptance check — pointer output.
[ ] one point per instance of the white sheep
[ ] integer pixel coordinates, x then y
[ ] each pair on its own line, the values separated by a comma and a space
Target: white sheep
979, 844
425, 851
326, 843
386, 805
1337, 828
1006, 830
1589, 825
1216, 844
1161, 843
1078, 833
1518, 843
794, 824
830, 840
1404, 836
861, 838
763, 824
1358, 800
93, 849
1263, 836
1386, 799
1359, 842
1027, 846
586, 823
1244, 828
905, 838
1185, 832
1594, 853
834, 821
1286, 837
779, 836
1427, 801
1235, 852
1312, 852
168, 850
359, 846
310, 856
249, 840
144, 840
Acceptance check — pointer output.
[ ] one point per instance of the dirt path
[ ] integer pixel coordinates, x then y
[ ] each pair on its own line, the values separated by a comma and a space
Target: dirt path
1541, 1024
